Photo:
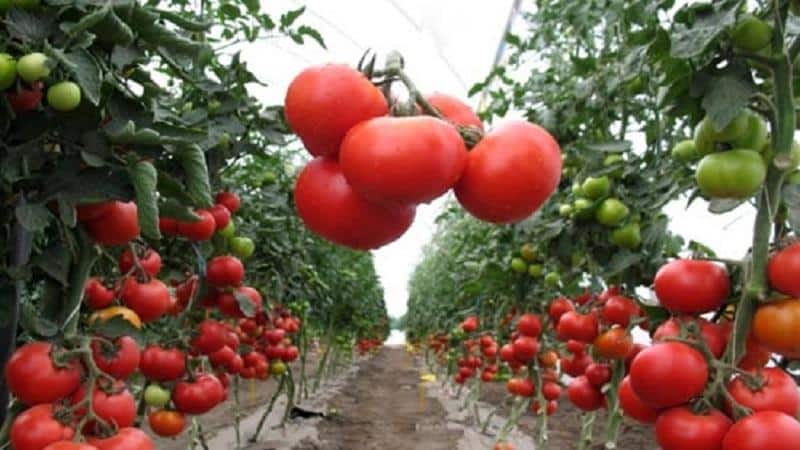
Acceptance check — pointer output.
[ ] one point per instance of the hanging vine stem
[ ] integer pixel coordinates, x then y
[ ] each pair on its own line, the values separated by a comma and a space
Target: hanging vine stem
520, 406
614, 413
289, 396
587, 426
237, 412
263, 419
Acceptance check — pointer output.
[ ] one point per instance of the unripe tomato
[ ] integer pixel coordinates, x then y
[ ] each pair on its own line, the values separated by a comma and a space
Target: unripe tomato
755, 136
775, 326
688, 286
736, 174
316, 110
454, 110
596, 188
332, 209
8, 71
64, 96
155, 395
552, 279
627, 236
734, 130
33, 67
783, 270
751, 33
611, 212
510, 173
685, 151
528, 253
518, 265
242, 247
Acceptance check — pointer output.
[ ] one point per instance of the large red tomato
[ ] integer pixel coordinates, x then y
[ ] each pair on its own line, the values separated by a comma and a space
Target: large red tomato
681, 429
576, 365
688, 286
454, 110
764, 430
558, 308
510, 173
119, 359
668, 374
125, 439
783, 270
31, 368
150, 300
118, 225
225, 271
210, 337
97, 295
574, 325
331, 208
36, 427
633, 406
116, 406
198, 397
69, 445
402, 160
160, 364
201, 230
324, 102
583, 395
529, 325
619, 310
150, 262
777, 392
714, 335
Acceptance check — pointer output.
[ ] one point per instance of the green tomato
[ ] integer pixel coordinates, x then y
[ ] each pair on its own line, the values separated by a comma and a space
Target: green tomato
269, 177
242, 247
519, 265
457, 333
736, 174
188, 106
528, 252
8, 71
751, 33
703, 140
755, 135
64, 96
535, 270
568, 172
552, 279
685, 151
33, 67
627, 236
611, 212
596, 188
565, 210
576, 190
229, 231
213, 106
583, 208
224, 141
735, 129
156, 396
610, 160
793, 178
277, 367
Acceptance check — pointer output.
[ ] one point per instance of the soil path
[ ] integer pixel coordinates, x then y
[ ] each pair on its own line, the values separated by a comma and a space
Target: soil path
385, 408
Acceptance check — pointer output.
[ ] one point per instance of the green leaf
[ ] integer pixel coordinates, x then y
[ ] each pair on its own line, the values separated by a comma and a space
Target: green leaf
193, 161
252, 6
727, 95
88, 21
245, 305
84, 68
149, 30
791, 196
170, 187
123, 56
621, 261
230, 10
289, 17
34, 323
55, 262
305, 30
117, 327
611, 146
183, 21
33, 216
145, 179
723, 205
129, 134
67, 213
691, 42
28, 26
175, 210
114, 30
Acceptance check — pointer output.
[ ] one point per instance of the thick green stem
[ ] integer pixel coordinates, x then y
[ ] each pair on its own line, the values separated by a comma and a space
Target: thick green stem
267, 411
587, 426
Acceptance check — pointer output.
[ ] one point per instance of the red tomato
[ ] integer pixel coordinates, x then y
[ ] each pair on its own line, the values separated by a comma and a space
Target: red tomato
225, 271
681, 429
160, 364
764, 430
30, 369
120, 359
783, 268
92, 211
454, 110
633, 406
150, 262
324, 102
574, 325
510, 173
615, 343
69, 445
583, 395
551, 390
714, 335
210, 336
230, 200
637, 348
687, 286
619, 310
97, 295
470, 324
529, 325
119, 225
522, 387
332, 209
777, 392
668, 374
576, 347
507, 353
775, 326
36, 428
402, 160
576, 365
198, 397
598, 374
125, 439
525, 348
149, 300
25, 99
117, 406
166, 423
201, 230
290, 354
222, 216
229, 305
274, 336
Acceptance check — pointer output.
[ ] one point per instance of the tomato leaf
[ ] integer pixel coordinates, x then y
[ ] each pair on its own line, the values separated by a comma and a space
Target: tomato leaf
28, 26
67, 213
83, 67
176, 210
723, 205
688, 42
55, 262
791, 196
289, 17
88, 21
193, 161
117, 327
305, 30
611, 146
32, 321
33, 216
145, 179
245, 305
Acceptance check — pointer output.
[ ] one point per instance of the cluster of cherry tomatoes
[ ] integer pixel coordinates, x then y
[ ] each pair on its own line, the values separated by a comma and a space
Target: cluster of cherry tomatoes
368, 345
371, 169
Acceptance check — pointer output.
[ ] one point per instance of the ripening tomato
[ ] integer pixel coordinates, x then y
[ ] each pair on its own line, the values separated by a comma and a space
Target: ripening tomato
118, 225
162, 364
689, 286
529, 325
150, 262
522, 387
510, 173
116, 405
548, 359
119, 359
619, 310
775, 326
574, 325
764, 430
33, 377
97, 295
225, 270
402, 160
332, 209
125, 439
783, 270
682, 429
37, 427
201, 230
166, 423
714, 335
615, 343
150, 300
668, 374
454, 110
583, 395
633, 406
776, 391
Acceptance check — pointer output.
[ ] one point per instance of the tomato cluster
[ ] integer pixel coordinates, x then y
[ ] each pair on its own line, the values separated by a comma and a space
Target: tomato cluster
21, 79
371, 169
